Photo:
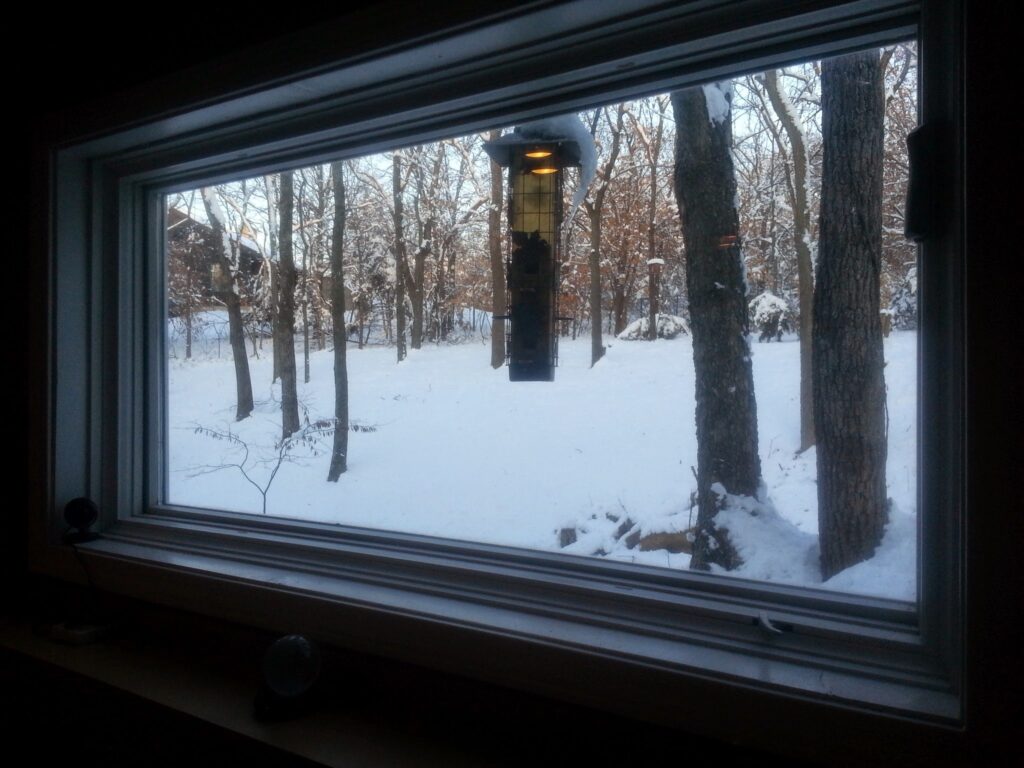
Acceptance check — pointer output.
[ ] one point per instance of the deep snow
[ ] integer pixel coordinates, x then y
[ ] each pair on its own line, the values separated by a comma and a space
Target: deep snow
458, 451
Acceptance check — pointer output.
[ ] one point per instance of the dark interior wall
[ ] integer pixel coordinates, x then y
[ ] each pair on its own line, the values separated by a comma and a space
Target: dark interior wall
69, 78
41, 697
994, 451
78, 58
70, 62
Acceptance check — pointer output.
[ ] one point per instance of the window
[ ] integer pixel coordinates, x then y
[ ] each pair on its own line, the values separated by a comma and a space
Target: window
531, 619
601, 462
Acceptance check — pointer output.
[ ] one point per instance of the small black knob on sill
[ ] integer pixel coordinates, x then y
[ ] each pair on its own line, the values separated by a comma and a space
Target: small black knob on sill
80, 514
291, 669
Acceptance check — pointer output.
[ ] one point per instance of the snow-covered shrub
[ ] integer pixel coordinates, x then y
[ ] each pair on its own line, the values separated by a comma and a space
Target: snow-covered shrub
903, 306
769, 314
669, 326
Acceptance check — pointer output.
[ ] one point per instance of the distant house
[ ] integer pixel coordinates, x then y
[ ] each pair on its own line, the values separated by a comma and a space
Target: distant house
193, 267
193, 261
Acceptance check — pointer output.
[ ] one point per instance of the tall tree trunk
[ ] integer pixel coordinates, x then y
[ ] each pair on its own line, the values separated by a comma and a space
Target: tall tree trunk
314, 276
619, 306
801, 238
499, 303
849, 387
652, 270
416, 274
400, 266
236, 335
594, 210
449, 305
727, 460
285, 330
305, 311
339, 453
652, 303
439, 304
188, 315
275, 300
770, 233
272, 204
360, 317
596, 340
652, 148
415, 279
226, 290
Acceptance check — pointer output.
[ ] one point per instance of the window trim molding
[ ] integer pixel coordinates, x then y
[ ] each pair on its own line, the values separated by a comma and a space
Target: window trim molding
672, 623
103, 199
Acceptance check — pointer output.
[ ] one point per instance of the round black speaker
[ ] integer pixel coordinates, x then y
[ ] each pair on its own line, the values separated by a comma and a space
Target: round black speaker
291, 666
81, 513
291, 669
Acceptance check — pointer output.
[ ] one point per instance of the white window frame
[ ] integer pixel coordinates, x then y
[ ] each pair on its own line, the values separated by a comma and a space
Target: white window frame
626, 638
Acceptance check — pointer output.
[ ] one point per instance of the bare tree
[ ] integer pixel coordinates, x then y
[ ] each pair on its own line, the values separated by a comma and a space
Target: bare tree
622, 229
415, 274
268, 460
270, 183
339, 453
594, 207
652, 151
498, 299
399, 249
797, 189
372, 247
285, 328
185, 263
226, 288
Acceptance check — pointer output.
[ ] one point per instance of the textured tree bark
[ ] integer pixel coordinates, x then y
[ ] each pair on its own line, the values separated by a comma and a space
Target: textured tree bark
243, 381
726, 411
805, 268
315, 272
285, 328
596, 340
305, 313
653, 151
188, 316
339, 453
414, 279
415, 275
272, 198
400, 267
275, 289
849, 387
652, 303
226, 291
619, 306
499, 302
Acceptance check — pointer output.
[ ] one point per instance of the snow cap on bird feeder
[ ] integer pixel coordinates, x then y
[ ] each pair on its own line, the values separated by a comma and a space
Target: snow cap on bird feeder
536, 155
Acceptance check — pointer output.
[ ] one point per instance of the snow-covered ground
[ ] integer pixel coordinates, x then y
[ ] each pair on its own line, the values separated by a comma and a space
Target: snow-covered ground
456, 450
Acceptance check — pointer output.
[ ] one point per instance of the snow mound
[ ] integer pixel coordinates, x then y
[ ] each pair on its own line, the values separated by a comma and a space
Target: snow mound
669, 326
889, 571
771, 547
770, 316
767, 306
903, 307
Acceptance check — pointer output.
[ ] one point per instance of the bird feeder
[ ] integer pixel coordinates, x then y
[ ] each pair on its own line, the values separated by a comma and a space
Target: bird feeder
532, 268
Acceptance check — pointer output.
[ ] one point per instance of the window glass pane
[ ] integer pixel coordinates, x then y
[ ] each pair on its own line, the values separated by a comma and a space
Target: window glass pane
706, 211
